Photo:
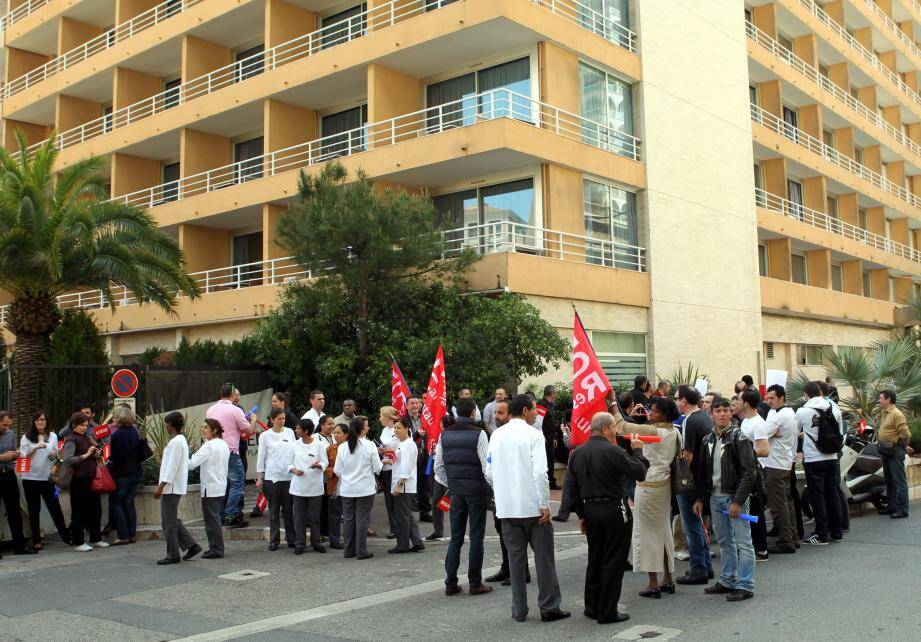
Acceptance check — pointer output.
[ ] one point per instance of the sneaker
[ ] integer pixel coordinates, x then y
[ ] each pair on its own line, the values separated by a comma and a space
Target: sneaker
815, 541
682, 556
100, 545
83, 548
761, 556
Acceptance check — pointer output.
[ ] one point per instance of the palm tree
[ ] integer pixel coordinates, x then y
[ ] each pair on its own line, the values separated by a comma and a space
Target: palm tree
58, 234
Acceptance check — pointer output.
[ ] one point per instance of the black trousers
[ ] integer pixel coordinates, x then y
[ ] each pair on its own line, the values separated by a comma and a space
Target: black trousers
9, 493
759, 530
797, 504
548, 448
498, 524
85, 511
608, 544
35, 491
424, 487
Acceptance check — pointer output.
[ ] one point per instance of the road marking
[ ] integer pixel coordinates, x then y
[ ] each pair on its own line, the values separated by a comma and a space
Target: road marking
242, 576
647, 632
338, 608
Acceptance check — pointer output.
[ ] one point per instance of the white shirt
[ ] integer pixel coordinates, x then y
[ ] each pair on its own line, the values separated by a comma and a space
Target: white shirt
783, 447
274, 457
174, 466
476, 412
804, 418
405, 468
755, 428
489, 415
314, 416
310, 484
40, 467
517, 470
389, 440
212, 457
356, 470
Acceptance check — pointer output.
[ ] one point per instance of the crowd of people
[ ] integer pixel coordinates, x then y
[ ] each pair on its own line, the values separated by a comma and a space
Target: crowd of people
659, 468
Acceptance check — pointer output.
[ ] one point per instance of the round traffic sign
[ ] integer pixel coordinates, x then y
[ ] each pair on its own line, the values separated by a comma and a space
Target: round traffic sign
124, 383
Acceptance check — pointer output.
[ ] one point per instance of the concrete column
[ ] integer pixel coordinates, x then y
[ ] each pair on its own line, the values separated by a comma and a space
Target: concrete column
562, 199
864, 36
876, 220
867, 96
839, 74
818, 268
129, 87
910, 78
33, 133
774, 176
852, 277
391, 93
902, 289
844, 141
814, 193
271, 215
898, 230
559, 76
286, 125
810, 120
765, 18
200, 57
916, 237
73, 33
125, 10
895, 172
885, 6
893, 116
914, 184
848, 209
285, 21
72, 112
205, 248
879, 284
769, 97
132, 173
780, 265
200, 151
835, 10
872, 159
889, 60
806, 48
914, 132
20, 62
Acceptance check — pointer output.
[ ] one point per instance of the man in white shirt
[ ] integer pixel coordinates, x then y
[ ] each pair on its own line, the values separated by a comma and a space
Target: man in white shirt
821, 471
517, 471
755, 428
489, 412
317, 404
464, 393
782, 434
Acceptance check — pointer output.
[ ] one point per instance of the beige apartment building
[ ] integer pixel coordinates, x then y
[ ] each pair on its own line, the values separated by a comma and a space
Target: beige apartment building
726, 183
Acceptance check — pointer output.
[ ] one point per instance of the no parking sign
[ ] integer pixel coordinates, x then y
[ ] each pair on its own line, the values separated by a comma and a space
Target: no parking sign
124, 383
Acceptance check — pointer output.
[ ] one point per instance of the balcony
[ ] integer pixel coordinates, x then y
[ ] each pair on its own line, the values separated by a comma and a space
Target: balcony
498, 104
814, 145
800, 66
822, 221
374, 19
892, 31
141, 22
20, 12
786, 298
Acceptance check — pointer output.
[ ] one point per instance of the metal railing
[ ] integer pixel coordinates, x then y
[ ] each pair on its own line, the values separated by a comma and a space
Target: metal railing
490, 238
150, 18
798, 64
829, 223
490, 105
346, 30
893, 27
864, 53
831, 154
20, 12
509, 236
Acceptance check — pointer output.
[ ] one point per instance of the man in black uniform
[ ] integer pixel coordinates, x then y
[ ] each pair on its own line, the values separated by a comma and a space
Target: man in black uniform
547, 425
597, 480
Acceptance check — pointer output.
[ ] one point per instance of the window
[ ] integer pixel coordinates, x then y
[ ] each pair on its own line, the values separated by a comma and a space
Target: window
247, 156
785, 42
107, 118
831, 206
453, 102
608, 102
828, 137
799, 268
490, 218
250, 62
597, 16
759, 178
854, 93
748, 14
753, 94
171, 93
807, 355
837, 278
431, 5
862, 221
795, 192
622, 354
791, 122
344, 26
823, 69
171, 8
344, 132
867, 284
610, 219
170, 182
246, 258
762, 261
858, 154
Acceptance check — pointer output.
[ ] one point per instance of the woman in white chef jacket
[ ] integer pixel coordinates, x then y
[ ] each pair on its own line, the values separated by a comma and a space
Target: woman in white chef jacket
273, 476
174, 481
213, 456
357, 462
308, 462
404, 491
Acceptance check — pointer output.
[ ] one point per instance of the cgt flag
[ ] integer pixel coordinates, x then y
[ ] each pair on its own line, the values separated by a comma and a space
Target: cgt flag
590, 385
435, 405
399, 389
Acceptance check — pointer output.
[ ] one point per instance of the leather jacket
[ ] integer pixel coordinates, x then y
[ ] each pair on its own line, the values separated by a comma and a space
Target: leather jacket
738, 466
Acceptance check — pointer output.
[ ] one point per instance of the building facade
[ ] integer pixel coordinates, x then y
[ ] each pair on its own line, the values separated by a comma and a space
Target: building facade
732, 185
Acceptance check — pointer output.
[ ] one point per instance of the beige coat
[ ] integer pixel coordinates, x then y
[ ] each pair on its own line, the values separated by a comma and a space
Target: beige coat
653, 545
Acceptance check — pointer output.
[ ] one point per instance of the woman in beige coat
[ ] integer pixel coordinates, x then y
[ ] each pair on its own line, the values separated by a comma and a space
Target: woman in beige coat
653, 548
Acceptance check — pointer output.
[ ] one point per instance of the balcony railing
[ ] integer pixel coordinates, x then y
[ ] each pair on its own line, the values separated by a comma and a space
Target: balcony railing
893, 27
828, 223
150, 18
346, 30
799, 65
491, 238
867, 55
490, 105
831, 154
20, 12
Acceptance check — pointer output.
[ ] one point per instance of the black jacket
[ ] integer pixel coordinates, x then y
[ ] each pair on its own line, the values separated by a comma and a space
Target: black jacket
599, 470
548, 425
738, 466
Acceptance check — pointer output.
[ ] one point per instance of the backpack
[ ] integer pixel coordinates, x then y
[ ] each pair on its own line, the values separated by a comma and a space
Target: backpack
829, 439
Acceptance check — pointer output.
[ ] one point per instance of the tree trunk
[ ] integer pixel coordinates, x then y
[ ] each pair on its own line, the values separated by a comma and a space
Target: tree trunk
27, 379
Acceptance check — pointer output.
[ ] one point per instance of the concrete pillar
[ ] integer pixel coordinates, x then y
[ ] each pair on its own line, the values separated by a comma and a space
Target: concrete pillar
287, 125
806, 48
774, 176
200, 57
72, 112
889, 60
33, 133
898, 230
852, 276
769, 97
73, 33
129, 87
765, 18
125, 10
844, 141
895, 172
200, 151
20, 62
780, 265
839, 74
814, 193
835, 10
810, 120
872, 159
893, 116
867, 96
876, 220
848, 209
285, 21
391, 93
205, 248
271, 215
864, 36
559, 76
562, 199
902, 289
879, 284
132, 173
818, 268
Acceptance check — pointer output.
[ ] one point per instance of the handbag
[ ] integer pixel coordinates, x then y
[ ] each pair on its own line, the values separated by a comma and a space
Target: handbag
61, 474
102, 483
680, 473
144, 451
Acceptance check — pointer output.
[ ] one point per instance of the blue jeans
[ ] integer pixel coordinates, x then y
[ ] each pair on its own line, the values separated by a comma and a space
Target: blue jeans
234, 487
122, 505
896, 481
464, 508
737, 554
694, 534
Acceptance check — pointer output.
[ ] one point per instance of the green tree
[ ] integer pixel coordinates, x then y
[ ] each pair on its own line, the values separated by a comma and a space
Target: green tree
58, 234
367, 240
77, 341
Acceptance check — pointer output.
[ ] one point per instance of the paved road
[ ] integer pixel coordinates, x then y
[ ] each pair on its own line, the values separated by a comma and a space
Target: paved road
865, 588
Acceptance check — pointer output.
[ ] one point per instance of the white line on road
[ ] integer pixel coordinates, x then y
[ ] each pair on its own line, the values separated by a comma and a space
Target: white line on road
338, 608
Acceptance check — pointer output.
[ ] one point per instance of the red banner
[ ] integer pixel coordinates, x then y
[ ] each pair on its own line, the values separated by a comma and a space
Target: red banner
106, 453
399, 389
261, 503
590, 385
23, 464
101, 432
436, 401
444, 504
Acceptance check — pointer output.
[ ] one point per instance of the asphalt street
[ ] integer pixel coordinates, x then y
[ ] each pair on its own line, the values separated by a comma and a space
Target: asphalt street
864, 588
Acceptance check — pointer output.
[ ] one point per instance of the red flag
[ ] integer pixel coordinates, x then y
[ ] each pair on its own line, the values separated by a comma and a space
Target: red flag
23, 464
436, 401
101, 432
262, 503
399, 390
590, 385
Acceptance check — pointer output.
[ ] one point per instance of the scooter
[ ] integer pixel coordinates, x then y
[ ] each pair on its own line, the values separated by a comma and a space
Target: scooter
864, 478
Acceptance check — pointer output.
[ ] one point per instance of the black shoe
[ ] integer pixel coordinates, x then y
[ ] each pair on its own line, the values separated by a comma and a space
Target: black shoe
771, 533
520, 618
291, 544
236, 522
298, 550
210, 555
628, 566
255, 513
434, 537
667, 588
501, 576
28, 550
335, 545
709, 573
396, 549
761, 556
895, 516
391, 535
366, 557
108, 528
781, 550
886, 511
194, 550
553, 615
506, 582
689, 579
319, 548
739, 595
273, 546
453, 589
718, 588
557, 518
653, 593
418, 548
425, 518
167, 560
618, 617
